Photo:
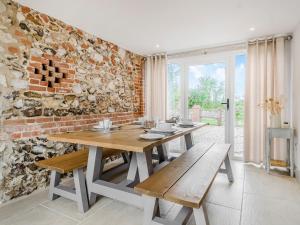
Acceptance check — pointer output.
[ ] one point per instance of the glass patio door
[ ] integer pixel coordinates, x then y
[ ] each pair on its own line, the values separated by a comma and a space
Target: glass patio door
208, 100
211, 90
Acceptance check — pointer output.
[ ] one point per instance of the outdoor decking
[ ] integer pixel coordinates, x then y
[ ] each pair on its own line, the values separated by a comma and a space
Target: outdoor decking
215, 134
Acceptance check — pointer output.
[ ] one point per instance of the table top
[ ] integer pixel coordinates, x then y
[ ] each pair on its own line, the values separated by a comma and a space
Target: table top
126, 138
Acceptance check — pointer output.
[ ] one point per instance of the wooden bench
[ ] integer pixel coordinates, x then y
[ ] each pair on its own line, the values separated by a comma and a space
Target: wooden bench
73, 162
185, 181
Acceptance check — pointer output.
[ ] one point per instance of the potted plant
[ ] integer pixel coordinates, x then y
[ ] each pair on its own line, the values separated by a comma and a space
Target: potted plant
274, 106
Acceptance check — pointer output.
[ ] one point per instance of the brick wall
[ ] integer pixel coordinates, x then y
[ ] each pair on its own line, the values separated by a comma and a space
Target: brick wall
56, 78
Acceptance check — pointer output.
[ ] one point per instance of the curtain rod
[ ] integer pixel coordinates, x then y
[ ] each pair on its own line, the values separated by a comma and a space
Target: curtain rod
204, 51
286, 37
229, 47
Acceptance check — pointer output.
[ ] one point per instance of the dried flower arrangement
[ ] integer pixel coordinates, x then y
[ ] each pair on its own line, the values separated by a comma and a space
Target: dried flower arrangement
274, 106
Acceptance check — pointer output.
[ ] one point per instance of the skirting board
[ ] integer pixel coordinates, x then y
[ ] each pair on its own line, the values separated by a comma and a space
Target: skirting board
297, 173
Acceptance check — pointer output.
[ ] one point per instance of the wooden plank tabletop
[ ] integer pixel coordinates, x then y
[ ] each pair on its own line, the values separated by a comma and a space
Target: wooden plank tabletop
126, 138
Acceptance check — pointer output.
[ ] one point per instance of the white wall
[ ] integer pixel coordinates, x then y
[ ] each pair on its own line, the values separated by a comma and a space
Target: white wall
296, 94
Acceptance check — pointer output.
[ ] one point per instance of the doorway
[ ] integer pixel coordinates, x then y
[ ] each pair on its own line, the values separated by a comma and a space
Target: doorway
210, 89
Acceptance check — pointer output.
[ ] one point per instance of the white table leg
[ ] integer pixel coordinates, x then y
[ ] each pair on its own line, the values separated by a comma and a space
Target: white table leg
93, 170
133, 169
144, 163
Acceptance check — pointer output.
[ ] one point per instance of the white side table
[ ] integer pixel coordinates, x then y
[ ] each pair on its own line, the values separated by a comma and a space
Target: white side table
285, 133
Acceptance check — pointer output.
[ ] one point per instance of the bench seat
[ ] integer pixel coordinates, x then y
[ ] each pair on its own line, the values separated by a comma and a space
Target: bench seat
185, 181
73, 162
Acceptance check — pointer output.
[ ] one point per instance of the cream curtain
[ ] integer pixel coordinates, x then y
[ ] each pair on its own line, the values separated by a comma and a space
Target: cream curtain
267, 77
156, 87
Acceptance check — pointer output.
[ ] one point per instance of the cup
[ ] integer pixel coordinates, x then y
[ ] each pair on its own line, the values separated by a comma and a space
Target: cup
141, 120
101, 125
106, 124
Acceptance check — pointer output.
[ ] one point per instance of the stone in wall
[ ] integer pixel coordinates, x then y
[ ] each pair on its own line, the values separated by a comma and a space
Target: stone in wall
105, 79
20, 176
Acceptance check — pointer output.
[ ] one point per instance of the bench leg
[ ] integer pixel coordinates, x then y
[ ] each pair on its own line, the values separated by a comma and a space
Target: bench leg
93, 171
54, 181
80, 189
201, 216
228, 169
151, 209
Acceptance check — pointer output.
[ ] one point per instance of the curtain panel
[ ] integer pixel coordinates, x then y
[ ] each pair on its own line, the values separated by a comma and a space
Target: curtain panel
267, 77
156, 87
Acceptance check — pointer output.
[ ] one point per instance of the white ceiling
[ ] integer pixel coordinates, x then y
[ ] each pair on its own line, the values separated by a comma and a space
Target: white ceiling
176, 25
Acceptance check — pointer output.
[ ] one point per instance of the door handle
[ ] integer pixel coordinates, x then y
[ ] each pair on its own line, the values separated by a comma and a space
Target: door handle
226, 103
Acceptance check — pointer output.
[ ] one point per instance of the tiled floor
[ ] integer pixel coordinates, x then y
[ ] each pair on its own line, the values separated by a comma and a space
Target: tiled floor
255, 198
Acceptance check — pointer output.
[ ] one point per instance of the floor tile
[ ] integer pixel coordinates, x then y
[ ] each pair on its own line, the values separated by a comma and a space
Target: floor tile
258, 182
69, 208
39, 216
115, 213
219, 215
225, 193
238, 169
261, 210
23, 204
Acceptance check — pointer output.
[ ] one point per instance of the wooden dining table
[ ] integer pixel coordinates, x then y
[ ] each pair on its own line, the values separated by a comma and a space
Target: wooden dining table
127, 139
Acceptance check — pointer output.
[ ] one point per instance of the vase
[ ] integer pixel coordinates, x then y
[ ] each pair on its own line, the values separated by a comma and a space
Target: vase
275, 121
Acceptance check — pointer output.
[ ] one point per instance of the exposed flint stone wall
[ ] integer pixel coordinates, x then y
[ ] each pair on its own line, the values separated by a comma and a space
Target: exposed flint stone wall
90, 79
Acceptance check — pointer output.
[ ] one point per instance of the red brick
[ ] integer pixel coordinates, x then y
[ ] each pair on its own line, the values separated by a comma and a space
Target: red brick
71, 61
15, 136
44, 119
84, 46
35, 76
70, 81
63, 129
36, 59
19, 33
37, 88
36, 65
13, 50
26, 42
36, 133
30, 120
48, 125
26, 134
44, 83
25, 9
30, 69
64, 65
34, 81
45, 18
49, 89
14, 122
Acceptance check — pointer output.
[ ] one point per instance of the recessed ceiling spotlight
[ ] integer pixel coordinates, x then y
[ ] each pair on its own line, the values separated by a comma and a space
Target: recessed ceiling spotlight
157, 46
252, 28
